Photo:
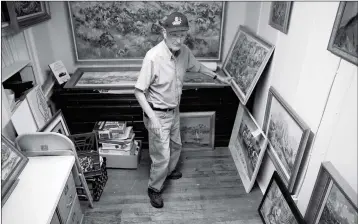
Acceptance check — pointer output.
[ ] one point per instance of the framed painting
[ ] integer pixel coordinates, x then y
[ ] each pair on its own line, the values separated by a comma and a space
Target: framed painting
245, 62
12, 164
38, 105
280, 15
125, 31
277, 206
119, 78
333, 200
31, 12
56, 124
343, 41
247, 146
287, 134
197, 130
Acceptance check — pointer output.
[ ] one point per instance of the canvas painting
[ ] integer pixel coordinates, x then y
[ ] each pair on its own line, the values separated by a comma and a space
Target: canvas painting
343, 41
38, 106
338, 209
245, 62
56, 124
277, 205
249, 143
287, 135
123, 78
333, 200
12, 163
197, 130
200, 80
125, 30
280, 15
31, 12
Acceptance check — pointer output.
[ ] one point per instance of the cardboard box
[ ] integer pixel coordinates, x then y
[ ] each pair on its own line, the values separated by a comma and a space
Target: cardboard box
116, 160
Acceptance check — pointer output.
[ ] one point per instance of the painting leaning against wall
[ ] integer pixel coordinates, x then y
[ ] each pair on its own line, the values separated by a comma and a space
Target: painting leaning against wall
117, 31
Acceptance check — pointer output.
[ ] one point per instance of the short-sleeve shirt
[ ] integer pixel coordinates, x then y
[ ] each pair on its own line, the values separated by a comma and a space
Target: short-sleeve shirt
161, 76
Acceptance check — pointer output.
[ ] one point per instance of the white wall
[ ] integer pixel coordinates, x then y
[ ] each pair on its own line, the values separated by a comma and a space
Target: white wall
303, 71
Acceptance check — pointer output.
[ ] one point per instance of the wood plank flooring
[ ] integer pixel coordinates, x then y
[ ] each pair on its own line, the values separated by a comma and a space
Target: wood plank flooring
210, 191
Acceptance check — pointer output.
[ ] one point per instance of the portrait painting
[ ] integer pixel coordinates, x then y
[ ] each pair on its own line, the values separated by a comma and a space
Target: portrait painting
287, 134
333, 200
31, 12
277, 206
246, 61
12, 164
38, 105
197, 130
125, 30
343, 41
56, 124
247, 145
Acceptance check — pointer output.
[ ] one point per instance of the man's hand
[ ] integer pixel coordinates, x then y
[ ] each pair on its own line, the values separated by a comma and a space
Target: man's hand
224, 80
155, 126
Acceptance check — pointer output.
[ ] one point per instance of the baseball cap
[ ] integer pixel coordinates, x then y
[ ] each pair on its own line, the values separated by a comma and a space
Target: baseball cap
176, 22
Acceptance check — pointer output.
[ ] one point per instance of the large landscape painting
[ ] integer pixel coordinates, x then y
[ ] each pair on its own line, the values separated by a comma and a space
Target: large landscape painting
125, 30
287, 135
197, 130
246, 61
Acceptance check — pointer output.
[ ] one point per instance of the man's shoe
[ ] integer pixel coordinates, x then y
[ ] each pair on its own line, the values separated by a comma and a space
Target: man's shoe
175, 175
156, 199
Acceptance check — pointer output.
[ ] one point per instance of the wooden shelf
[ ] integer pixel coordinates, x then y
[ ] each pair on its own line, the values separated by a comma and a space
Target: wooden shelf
7, 72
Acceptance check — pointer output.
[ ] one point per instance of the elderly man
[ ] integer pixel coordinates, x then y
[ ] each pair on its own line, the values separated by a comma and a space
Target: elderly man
158, 91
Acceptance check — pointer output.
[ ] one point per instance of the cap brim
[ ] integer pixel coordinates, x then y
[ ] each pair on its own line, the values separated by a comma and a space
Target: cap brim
171, 29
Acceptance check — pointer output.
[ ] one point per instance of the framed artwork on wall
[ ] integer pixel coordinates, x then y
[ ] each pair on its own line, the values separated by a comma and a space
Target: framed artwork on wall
38, 105
197, 130
333, 200
245, 62
277, 206
12, 164
125, 31
31, 12
287, 134
280, 15
247, 146
56, 124
343, 41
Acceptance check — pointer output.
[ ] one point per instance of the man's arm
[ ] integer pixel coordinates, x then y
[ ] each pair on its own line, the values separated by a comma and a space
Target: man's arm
196, 66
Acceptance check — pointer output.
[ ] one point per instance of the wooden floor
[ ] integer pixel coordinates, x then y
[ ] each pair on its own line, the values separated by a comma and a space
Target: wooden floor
210, 191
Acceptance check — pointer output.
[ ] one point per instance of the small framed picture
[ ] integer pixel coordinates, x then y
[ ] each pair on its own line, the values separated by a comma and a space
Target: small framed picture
343, 41
12, 164
197, 130
56, 124
277, 206
31, 12
38, 105
280, 15
287, 134
247, 146
333, 200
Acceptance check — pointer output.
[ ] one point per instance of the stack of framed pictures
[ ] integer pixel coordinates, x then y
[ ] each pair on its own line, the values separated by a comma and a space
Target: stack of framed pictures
56, 124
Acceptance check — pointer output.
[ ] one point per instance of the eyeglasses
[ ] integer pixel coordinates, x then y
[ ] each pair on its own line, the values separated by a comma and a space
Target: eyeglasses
178, 35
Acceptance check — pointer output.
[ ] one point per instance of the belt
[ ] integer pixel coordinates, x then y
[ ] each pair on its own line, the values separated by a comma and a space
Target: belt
161, 109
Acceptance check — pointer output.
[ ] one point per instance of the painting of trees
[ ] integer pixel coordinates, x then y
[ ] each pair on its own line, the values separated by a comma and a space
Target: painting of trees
121, 30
